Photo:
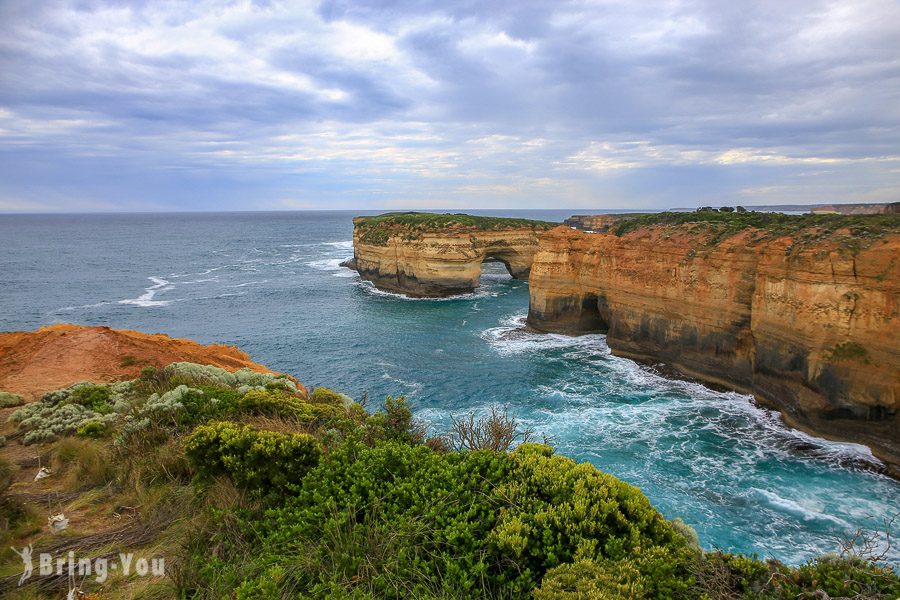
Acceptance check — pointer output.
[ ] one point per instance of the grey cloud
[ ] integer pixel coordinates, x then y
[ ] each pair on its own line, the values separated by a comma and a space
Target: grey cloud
433, 96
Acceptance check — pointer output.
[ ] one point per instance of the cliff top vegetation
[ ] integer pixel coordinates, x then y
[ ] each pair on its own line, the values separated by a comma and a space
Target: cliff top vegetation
378, 229
771, 224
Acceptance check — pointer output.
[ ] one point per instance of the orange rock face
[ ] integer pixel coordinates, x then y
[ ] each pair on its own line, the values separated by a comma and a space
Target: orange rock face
442, 263
33, 363
802, 322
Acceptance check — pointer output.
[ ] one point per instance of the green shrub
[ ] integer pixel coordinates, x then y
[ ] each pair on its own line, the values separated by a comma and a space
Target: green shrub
275, 404
8, 400
561, 511
839, 577
46, 422
202, 376
719, 575
94, 429
92, 396
322, 395
589, 580
478, 523
395, 423
256, 460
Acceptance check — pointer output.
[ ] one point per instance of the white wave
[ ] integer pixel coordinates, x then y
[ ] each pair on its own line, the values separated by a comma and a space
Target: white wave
345, 245
212, 270
496, 277
216, 297
511, 337
771, 433
414, 386
804, 509
240, 285
734, 418
146, 299
290, 260
327, 264
369, 287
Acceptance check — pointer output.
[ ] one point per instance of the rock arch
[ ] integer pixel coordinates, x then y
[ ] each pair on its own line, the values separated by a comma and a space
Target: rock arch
442, 263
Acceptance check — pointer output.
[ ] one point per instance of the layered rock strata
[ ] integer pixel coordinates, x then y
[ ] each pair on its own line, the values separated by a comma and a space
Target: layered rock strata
421, 261
806, 322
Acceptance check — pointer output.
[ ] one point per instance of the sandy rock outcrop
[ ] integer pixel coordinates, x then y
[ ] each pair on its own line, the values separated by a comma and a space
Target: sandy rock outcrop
806, 324
35, 362
443, 262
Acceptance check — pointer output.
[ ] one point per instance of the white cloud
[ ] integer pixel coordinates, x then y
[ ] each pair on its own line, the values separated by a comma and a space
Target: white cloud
588, 99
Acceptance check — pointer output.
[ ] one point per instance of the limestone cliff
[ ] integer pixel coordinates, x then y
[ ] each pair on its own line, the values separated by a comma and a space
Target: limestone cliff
53, 357
805, 319
429, 255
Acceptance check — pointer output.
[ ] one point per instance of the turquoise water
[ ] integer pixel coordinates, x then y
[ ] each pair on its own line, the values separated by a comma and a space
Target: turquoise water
271, 283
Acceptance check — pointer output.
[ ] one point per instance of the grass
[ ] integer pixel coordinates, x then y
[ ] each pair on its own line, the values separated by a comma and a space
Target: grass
769, 224
378, 229
86, 463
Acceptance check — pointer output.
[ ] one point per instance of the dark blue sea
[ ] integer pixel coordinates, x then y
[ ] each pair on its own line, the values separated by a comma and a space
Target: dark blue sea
271, 283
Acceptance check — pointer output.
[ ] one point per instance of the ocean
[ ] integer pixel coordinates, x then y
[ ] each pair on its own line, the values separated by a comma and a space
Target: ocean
271, 283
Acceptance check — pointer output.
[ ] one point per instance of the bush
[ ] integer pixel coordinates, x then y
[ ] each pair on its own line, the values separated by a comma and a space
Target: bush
201, 376
498, 432
562, 511
8, 400
839, 577
477, 523
91, 396
588, 580
46, 422
275, 404
322, 395
256, 460
395, 423
94, 429
721, 575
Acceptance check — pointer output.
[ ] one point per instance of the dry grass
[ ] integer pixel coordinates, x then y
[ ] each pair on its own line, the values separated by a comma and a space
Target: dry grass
82, 463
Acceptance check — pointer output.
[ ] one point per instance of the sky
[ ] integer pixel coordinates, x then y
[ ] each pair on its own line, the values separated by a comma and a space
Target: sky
589, 104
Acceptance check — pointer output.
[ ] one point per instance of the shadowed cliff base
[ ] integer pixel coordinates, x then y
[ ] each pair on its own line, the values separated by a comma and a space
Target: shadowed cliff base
430, 255
800, 311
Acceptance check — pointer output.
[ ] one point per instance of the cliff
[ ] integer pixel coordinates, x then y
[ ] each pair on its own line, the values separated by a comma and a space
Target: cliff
35, 362
803, 314
430, 255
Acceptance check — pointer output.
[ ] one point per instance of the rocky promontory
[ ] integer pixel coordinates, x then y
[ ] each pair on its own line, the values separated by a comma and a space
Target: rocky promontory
801, 311
438, 255
35, 362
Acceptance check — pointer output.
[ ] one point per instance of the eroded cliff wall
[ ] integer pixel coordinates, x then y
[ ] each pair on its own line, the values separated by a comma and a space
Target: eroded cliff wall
806, 322
435, 263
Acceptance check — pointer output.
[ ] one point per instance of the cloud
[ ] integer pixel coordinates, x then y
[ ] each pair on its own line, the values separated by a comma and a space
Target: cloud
592, 103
